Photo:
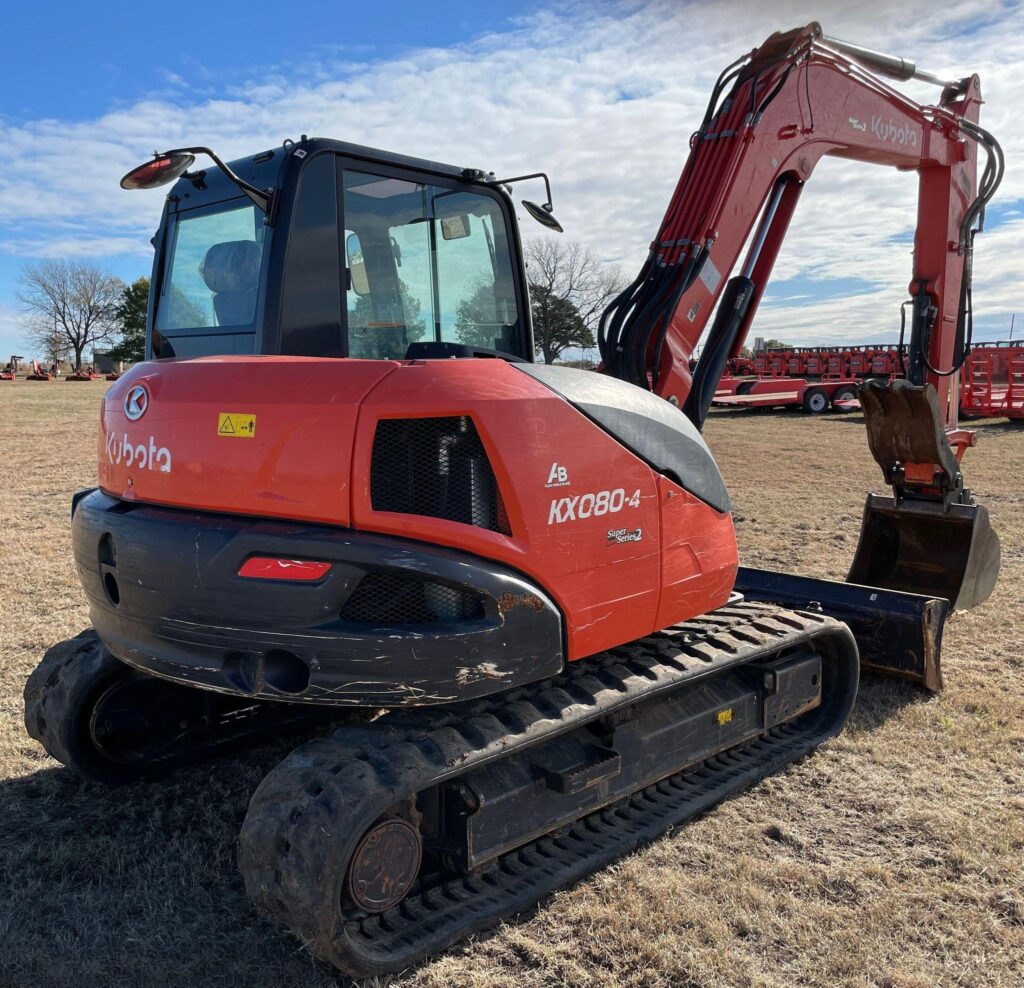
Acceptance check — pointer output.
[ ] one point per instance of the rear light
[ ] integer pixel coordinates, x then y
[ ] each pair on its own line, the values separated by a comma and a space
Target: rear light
272, 568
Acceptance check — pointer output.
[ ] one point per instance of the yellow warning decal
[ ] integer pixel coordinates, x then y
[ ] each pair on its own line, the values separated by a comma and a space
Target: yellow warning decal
240, 425
724, 716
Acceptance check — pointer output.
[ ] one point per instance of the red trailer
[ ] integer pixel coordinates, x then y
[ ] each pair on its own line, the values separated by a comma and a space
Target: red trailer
814, 397
993, 380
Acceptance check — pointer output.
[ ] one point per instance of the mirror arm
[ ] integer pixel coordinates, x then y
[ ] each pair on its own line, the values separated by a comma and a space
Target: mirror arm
523, 178
262, 199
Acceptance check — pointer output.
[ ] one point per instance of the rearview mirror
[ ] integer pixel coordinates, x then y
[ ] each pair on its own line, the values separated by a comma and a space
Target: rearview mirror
357, 279
543, 215
162, 170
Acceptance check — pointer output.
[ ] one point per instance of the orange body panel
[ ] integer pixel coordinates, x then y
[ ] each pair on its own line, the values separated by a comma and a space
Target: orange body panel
295, 465
621, 549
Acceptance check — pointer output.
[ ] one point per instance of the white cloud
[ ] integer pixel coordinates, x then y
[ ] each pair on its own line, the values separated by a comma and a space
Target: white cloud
548, 95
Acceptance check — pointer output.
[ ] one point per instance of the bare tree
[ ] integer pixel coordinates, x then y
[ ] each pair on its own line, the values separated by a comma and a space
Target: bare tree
565, 274
69, 306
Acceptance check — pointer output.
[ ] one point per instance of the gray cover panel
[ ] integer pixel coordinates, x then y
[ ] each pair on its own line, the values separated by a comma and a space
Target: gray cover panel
654, 429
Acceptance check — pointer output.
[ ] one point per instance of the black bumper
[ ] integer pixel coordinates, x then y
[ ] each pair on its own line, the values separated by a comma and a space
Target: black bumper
392, 623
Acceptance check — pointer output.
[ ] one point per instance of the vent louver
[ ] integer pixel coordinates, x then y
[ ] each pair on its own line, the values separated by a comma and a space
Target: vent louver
436, 467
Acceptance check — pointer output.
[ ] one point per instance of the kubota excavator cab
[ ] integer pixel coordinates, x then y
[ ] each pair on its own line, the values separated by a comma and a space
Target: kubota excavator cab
345, 252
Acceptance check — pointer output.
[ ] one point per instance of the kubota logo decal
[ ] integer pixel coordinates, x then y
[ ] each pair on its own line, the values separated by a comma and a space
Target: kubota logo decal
136, 402
590, 505
889, 130
138, 455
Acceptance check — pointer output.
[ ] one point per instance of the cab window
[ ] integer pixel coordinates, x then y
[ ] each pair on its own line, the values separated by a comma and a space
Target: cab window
213, 270
424, 263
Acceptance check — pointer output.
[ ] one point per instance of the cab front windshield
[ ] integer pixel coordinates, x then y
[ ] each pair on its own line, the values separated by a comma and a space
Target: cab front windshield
212, 274
425, 264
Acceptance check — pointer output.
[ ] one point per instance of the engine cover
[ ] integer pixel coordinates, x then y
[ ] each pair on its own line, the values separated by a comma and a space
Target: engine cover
548, 474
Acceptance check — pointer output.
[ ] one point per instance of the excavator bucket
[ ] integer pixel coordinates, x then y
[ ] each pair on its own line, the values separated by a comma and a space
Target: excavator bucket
918, 547
938, 546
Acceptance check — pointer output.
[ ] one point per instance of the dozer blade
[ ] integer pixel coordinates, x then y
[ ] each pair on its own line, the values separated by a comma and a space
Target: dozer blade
898, 634
929, 538
923, 548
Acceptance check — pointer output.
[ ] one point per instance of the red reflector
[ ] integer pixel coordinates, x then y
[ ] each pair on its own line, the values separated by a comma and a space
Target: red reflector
270, 568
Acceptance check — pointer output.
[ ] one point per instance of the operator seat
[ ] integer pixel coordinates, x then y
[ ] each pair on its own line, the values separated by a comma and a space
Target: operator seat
231, 270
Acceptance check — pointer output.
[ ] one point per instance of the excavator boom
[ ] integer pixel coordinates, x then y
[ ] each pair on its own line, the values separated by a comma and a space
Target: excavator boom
772, 116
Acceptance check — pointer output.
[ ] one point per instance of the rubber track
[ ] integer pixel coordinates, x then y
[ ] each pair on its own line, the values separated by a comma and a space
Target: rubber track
305, 817
54, 686
67, 679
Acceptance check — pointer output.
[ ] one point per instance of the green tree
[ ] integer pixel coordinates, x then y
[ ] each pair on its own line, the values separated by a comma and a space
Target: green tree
557, 324
131, 313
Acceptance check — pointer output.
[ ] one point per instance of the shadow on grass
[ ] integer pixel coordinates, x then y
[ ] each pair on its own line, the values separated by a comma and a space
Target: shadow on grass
880, 697
137, 885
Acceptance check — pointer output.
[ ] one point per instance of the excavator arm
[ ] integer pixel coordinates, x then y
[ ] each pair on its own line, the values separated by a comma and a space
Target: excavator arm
773, 114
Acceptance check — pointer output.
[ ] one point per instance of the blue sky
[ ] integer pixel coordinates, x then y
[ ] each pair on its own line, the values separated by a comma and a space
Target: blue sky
603, 95
83, 58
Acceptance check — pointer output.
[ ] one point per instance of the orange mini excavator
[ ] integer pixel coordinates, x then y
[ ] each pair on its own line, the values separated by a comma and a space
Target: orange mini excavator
528, 574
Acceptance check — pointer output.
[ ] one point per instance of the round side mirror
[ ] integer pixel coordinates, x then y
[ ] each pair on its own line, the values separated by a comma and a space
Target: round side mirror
542, 214
161, 170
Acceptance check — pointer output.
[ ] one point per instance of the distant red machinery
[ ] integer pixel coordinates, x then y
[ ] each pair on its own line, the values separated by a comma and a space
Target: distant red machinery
993, 380
816, 363
740, 367
778, 362
10, 370
40, 373
814, 378
860, 360
837, 363
796, 364
887, 362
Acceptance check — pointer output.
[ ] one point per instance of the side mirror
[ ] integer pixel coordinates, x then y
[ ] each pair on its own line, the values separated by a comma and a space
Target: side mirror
543, 215
162, 170
358, 281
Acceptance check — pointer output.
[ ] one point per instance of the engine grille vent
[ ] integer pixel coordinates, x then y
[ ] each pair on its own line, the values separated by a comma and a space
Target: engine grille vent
436, 467
389, 598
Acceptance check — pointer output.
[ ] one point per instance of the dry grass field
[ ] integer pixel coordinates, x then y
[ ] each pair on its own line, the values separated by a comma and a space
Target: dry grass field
894, 857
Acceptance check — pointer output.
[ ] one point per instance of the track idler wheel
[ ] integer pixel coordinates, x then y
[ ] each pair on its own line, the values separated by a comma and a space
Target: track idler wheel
61, 706
111, 723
